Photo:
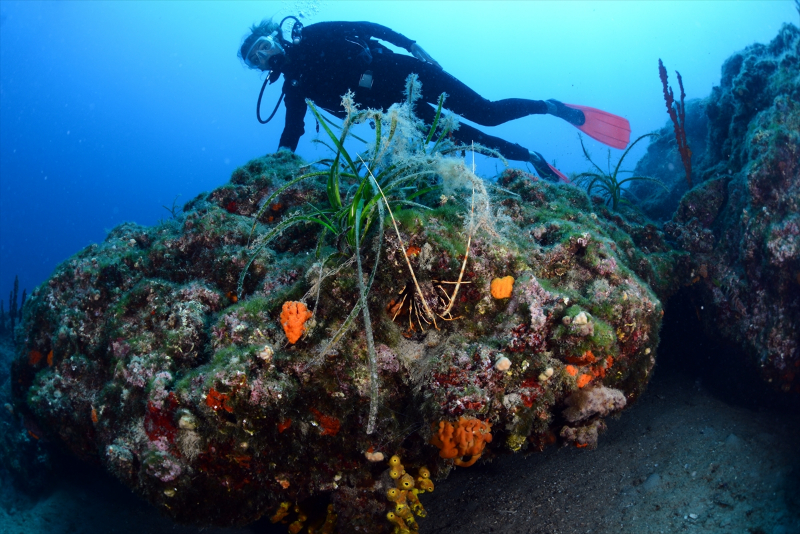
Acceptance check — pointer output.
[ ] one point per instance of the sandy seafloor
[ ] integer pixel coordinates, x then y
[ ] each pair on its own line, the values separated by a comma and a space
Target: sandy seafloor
706, 449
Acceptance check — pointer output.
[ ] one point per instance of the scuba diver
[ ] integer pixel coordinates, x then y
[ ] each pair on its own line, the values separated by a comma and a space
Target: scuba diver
322, 61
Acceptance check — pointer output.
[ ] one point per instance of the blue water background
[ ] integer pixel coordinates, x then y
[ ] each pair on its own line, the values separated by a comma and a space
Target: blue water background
111, 110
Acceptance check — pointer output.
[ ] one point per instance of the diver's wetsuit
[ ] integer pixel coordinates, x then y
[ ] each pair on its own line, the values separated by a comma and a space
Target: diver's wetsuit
332, 56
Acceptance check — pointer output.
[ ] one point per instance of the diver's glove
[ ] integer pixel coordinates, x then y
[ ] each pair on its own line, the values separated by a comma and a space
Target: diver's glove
422, 55
545, 170
571, 115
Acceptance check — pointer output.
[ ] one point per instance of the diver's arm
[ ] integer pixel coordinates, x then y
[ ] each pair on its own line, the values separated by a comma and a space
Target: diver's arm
365, 30
422, 55
397, 39
295, 121
385, 34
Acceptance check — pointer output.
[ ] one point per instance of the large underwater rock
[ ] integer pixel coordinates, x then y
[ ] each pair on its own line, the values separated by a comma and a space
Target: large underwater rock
741, 222
220, 407
139, 355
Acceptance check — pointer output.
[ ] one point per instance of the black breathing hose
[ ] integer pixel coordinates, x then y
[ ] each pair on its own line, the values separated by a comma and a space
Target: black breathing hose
258, 104
297, 29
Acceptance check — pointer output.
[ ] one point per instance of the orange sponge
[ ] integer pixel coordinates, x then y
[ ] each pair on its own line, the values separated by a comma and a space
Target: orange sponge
468, 438
584, 379
293, 319
501, 287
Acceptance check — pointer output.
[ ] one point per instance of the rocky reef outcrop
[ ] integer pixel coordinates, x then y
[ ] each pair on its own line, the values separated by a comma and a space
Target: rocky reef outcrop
227, 365
531, 315
741, 223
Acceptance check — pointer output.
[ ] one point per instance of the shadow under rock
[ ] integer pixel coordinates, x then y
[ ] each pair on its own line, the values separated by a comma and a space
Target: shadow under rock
91, 501
721, 367
568, 490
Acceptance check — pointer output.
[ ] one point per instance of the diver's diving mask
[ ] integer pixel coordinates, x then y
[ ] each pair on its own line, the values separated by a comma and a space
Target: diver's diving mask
262, 51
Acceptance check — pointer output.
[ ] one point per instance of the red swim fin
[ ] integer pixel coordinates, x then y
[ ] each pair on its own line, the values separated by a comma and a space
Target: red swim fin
560, 174
545, 170
610, 129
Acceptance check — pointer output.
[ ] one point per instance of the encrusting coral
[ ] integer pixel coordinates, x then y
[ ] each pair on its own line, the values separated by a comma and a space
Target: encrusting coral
467, 438
598, 400
586, 408
501, 287
293, 320
405, 496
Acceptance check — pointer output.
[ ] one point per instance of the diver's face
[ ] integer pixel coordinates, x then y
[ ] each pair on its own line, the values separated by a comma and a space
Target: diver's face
263, 50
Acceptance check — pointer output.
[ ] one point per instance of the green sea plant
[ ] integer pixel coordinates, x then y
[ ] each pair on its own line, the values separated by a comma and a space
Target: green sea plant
395, 171
174, 210
353, 200
609, 184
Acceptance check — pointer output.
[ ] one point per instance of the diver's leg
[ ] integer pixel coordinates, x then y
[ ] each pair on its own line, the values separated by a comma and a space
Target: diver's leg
474, 107
469, 104
545, 170
391, 70
466, 135
390, 73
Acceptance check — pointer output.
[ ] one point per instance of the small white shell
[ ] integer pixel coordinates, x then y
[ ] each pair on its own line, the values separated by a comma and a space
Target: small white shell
187, 422
502, 364
266, 353
374, 456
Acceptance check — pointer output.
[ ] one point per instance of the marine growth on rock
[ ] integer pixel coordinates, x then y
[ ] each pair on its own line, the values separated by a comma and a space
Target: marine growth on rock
220, 406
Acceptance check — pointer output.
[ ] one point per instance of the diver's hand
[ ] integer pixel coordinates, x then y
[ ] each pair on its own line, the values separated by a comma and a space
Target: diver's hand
422, 55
